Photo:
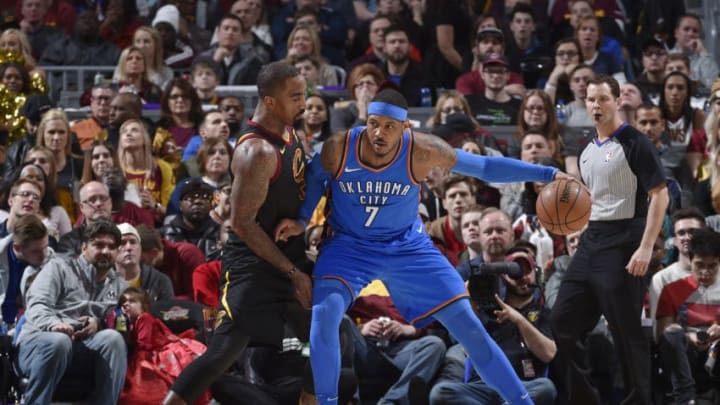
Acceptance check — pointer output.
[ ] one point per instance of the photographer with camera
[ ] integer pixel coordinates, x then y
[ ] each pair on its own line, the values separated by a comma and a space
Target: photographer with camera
518, 323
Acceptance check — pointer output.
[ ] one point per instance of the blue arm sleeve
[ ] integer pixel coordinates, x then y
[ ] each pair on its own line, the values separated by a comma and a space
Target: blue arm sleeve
316, 179
500, 169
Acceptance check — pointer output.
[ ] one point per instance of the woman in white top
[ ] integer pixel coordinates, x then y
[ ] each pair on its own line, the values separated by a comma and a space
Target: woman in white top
148, 40
685, 130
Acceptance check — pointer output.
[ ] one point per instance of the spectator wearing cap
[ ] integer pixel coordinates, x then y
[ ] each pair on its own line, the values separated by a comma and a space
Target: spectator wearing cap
458, 127
84, 47
400, 68
194, 224
495, 106
178, 52
128, 263
488, 40
33, 109
654, 59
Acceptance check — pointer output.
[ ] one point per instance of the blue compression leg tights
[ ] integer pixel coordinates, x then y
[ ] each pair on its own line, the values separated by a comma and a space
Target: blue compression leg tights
489, 361
330, 301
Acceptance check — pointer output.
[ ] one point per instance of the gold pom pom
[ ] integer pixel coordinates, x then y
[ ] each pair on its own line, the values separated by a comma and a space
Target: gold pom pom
12, 56
38, 83
10, 117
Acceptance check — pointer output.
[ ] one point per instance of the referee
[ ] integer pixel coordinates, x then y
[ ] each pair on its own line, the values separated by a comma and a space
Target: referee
607, 275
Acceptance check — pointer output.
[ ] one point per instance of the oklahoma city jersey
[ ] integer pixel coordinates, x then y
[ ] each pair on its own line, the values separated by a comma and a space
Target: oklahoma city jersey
374, 204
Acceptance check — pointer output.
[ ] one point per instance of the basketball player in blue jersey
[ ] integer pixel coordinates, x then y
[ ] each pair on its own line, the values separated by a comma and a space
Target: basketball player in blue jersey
262, 285
372, 175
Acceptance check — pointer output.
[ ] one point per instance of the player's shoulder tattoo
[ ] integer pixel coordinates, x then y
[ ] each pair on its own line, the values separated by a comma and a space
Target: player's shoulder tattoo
431, 148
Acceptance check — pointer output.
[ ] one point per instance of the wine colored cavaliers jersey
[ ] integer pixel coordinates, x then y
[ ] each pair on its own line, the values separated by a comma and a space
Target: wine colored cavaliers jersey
284, 197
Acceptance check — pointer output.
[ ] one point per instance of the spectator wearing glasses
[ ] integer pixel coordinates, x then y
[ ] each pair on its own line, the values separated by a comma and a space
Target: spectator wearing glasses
95, 205
193, 224
88, 128
180, 111
66, 305
53, 216
567, 56
654, 59
24, 199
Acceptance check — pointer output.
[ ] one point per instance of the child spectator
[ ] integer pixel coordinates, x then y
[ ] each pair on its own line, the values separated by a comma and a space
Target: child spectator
157, 355
204, 77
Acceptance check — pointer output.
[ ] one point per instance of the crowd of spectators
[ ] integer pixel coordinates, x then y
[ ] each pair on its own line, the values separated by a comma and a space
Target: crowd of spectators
472, 65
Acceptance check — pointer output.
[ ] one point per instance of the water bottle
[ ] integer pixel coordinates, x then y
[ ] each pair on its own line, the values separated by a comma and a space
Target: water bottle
121, 323
561, 112
382, 341
425, 97
712, 357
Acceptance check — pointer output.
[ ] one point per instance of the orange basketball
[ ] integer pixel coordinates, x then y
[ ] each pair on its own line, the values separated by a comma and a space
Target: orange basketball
563, 206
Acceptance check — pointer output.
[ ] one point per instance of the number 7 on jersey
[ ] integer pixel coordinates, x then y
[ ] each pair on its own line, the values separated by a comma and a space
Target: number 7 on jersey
372, 213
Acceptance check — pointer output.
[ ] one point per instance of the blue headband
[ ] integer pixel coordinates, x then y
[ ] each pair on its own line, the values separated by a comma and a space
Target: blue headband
388, 110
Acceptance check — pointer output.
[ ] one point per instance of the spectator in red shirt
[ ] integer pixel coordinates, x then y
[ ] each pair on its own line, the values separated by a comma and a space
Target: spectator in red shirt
176, 259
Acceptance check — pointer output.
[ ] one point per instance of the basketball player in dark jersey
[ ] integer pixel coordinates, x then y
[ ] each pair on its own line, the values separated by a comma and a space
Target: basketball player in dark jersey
262, 288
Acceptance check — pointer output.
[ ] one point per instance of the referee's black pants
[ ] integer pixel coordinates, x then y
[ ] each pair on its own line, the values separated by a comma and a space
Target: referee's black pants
597, 283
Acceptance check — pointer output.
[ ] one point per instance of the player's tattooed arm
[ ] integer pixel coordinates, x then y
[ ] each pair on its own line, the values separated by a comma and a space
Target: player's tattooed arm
254, 163
332, 153
430, 151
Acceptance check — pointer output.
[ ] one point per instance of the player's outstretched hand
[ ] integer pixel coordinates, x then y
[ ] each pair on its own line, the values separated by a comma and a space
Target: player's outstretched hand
303, 288
288, 228
638, 264
562, 175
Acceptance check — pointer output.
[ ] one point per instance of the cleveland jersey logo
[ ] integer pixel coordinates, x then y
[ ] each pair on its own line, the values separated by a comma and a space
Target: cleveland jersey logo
298, 168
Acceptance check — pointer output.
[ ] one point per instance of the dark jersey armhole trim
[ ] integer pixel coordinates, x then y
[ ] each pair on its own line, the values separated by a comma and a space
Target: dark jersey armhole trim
278, 168
411, 148
343, 160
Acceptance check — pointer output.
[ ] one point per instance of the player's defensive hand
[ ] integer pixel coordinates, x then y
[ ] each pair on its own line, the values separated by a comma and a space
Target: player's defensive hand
288, 228
506, 312
639, 261
303, 288
562, 175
